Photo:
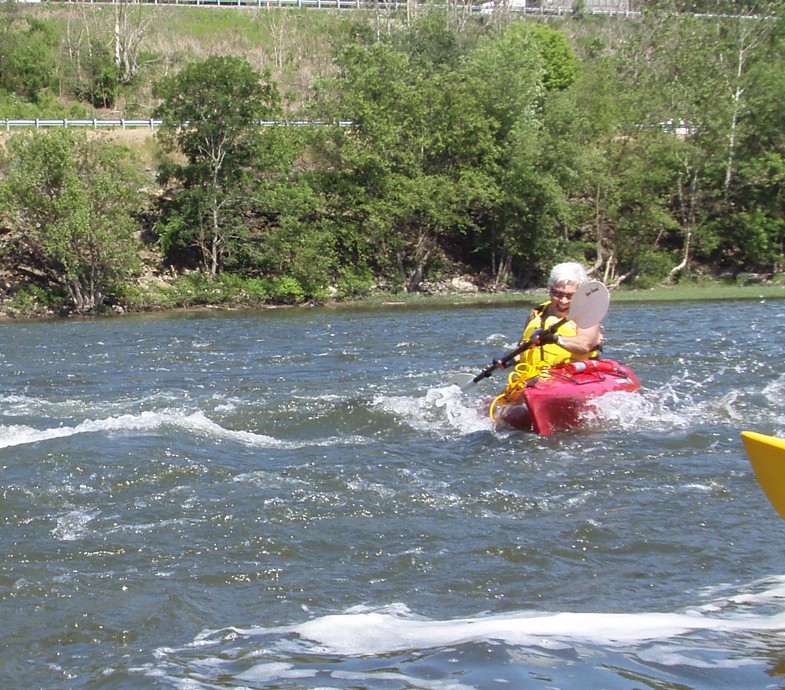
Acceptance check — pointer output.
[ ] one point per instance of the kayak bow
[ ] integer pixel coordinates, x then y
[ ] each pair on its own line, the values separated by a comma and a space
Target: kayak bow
767, 457
560, 399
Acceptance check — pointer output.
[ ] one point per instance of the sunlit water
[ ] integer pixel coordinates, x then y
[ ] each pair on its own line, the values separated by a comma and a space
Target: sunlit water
299, 499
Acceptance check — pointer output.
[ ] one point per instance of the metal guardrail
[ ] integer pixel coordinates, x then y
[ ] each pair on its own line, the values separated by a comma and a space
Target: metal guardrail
40, 123
548, 7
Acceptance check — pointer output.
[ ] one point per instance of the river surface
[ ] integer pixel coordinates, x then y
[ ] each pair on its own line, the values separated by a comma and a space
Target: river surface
300, 499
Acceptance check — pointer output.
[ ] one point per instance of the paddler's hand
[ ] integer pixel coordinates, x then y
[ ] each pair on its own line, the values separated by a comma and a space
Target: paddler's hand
542, 337
499, 363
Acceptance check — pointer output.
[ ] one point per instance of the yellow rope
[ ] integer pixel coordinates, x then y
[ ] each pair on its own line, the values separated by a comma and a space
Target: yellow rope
517, 379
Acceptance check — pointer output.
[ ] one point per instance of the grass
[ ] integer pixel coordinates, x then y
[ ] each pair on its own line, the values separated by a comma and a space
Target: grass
702, 291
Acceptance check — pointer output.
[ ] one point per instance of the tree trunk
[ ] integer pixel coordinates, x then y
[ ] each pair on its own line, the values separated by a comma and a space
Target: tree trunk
503, 272
421, 256
687, 199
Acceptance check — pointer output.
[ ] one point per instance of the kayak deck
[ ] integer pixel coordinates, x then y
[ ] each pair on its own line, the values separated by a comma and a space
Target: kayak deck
560, 401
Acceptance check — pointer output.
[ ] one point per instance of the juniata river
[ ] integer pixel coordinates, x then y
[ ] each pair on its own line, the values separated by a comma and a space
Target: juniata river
299, 499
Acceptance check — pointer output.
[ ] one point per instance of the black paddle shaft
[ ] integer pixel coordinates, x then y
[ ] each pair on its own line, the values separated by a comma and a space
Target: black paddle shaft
512, 354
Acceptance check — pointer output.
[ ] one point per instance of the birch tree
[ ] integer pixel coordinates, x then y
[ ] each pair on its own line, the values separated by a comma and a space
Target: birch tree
212, 113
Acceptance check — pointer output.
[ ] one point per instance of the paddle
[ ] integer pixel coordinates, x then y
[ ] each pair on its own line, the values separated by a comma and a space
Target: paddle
588, 308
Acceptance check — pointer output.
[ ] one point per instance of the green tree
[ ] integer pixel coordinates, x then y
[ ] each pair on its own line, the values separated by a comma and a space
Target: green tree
441, 161
508, 73
72, 202
398, 171
754, 238
212, 111
562, 66
696, 74
27, 54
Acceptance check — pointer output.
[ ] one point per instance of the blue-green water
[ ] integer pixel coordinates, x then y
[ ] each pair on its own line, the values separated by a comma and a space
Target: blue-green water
298, 499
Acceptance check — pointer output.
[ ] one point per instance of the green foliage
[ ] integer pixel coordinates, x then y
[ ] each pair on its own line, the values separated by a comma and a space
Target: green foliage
72, 200
479, 146
354, 282
27, 55
211, 112
562, 66
194, 289
100, 83
286, 290
651, 267
34, 300
46, 106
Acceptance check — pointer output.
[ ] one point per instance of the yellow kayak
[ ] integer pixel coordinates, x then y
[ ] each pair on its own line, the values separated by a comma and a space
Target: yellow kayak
767, 457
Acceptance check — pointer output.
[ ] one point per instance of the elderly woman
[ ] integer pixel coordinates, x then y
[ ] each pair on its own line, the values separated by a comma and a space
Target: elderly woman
569, 342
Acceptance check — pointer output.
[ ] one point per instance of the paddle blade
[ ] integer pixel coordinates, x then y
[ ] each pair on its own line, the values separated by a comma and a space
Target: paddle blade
463, 380
590, 304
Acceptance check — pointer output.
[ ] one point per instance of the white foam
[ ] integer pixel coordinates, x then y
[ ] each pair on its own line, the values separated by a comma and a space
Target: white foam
73, 525
774, 391
440, 409
395, 630
699, 638
146, 422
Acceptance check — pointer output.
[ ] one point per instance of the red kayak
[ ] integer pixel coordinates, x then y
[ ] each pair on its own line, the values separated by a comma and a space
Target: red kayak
558, 400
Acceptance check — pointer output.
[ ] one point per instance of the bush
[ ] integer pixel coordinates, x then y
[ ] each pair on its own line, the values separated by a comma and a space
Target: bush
286, 290
652, 267
354, 283
33, 300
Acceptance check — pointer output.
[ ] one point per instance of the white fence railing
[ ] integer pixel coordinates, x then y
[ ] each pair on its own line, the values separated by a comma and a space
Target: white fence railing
541, 7
40, 123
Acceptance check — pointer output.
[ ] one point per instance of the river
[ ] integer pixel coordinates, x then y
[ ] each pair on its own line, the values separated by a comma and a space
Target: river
299, 499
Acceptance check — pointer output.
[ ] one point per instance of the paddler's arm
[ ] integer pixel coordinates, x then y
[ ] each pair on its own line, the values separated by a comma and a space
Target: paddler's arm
583, 342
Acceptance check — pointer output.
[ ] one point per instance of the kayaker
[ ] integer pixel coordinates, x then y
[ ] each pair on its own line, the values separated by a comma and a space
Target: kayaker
568, 343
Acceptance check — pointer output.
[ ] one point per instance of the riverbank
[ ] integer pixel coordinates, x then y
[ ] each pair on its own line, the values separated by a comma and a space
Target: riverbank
702, 291
685, 292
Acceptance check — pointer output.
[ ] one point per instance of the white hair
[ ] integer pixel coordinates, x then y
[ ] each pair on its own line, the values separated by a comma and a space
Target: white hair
568, 273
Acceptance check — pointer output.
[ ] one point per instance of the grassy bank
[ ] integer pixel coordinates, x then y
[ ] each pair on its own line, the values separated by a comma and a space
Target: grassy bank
170, 301
677, 293
709, 291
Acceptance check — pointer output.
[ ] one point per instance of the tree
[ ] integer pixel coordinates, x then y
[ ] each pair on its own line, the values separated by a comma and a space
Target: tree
399, 175
27, 54
72, 202
132, 21
696, 75
507, 73
212, 113
754, 238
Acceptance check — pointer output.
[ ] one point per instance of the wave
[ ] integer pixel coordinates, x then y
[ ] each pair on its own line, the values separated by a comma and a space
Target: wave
677, 404
728, 633
145, 422
681, 404
438, 410
365, 631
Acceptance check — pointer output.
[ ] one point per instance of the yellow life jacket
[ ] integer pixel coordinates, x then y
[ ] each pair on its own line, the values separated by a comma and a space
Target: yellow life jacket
535, 362
544, 356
